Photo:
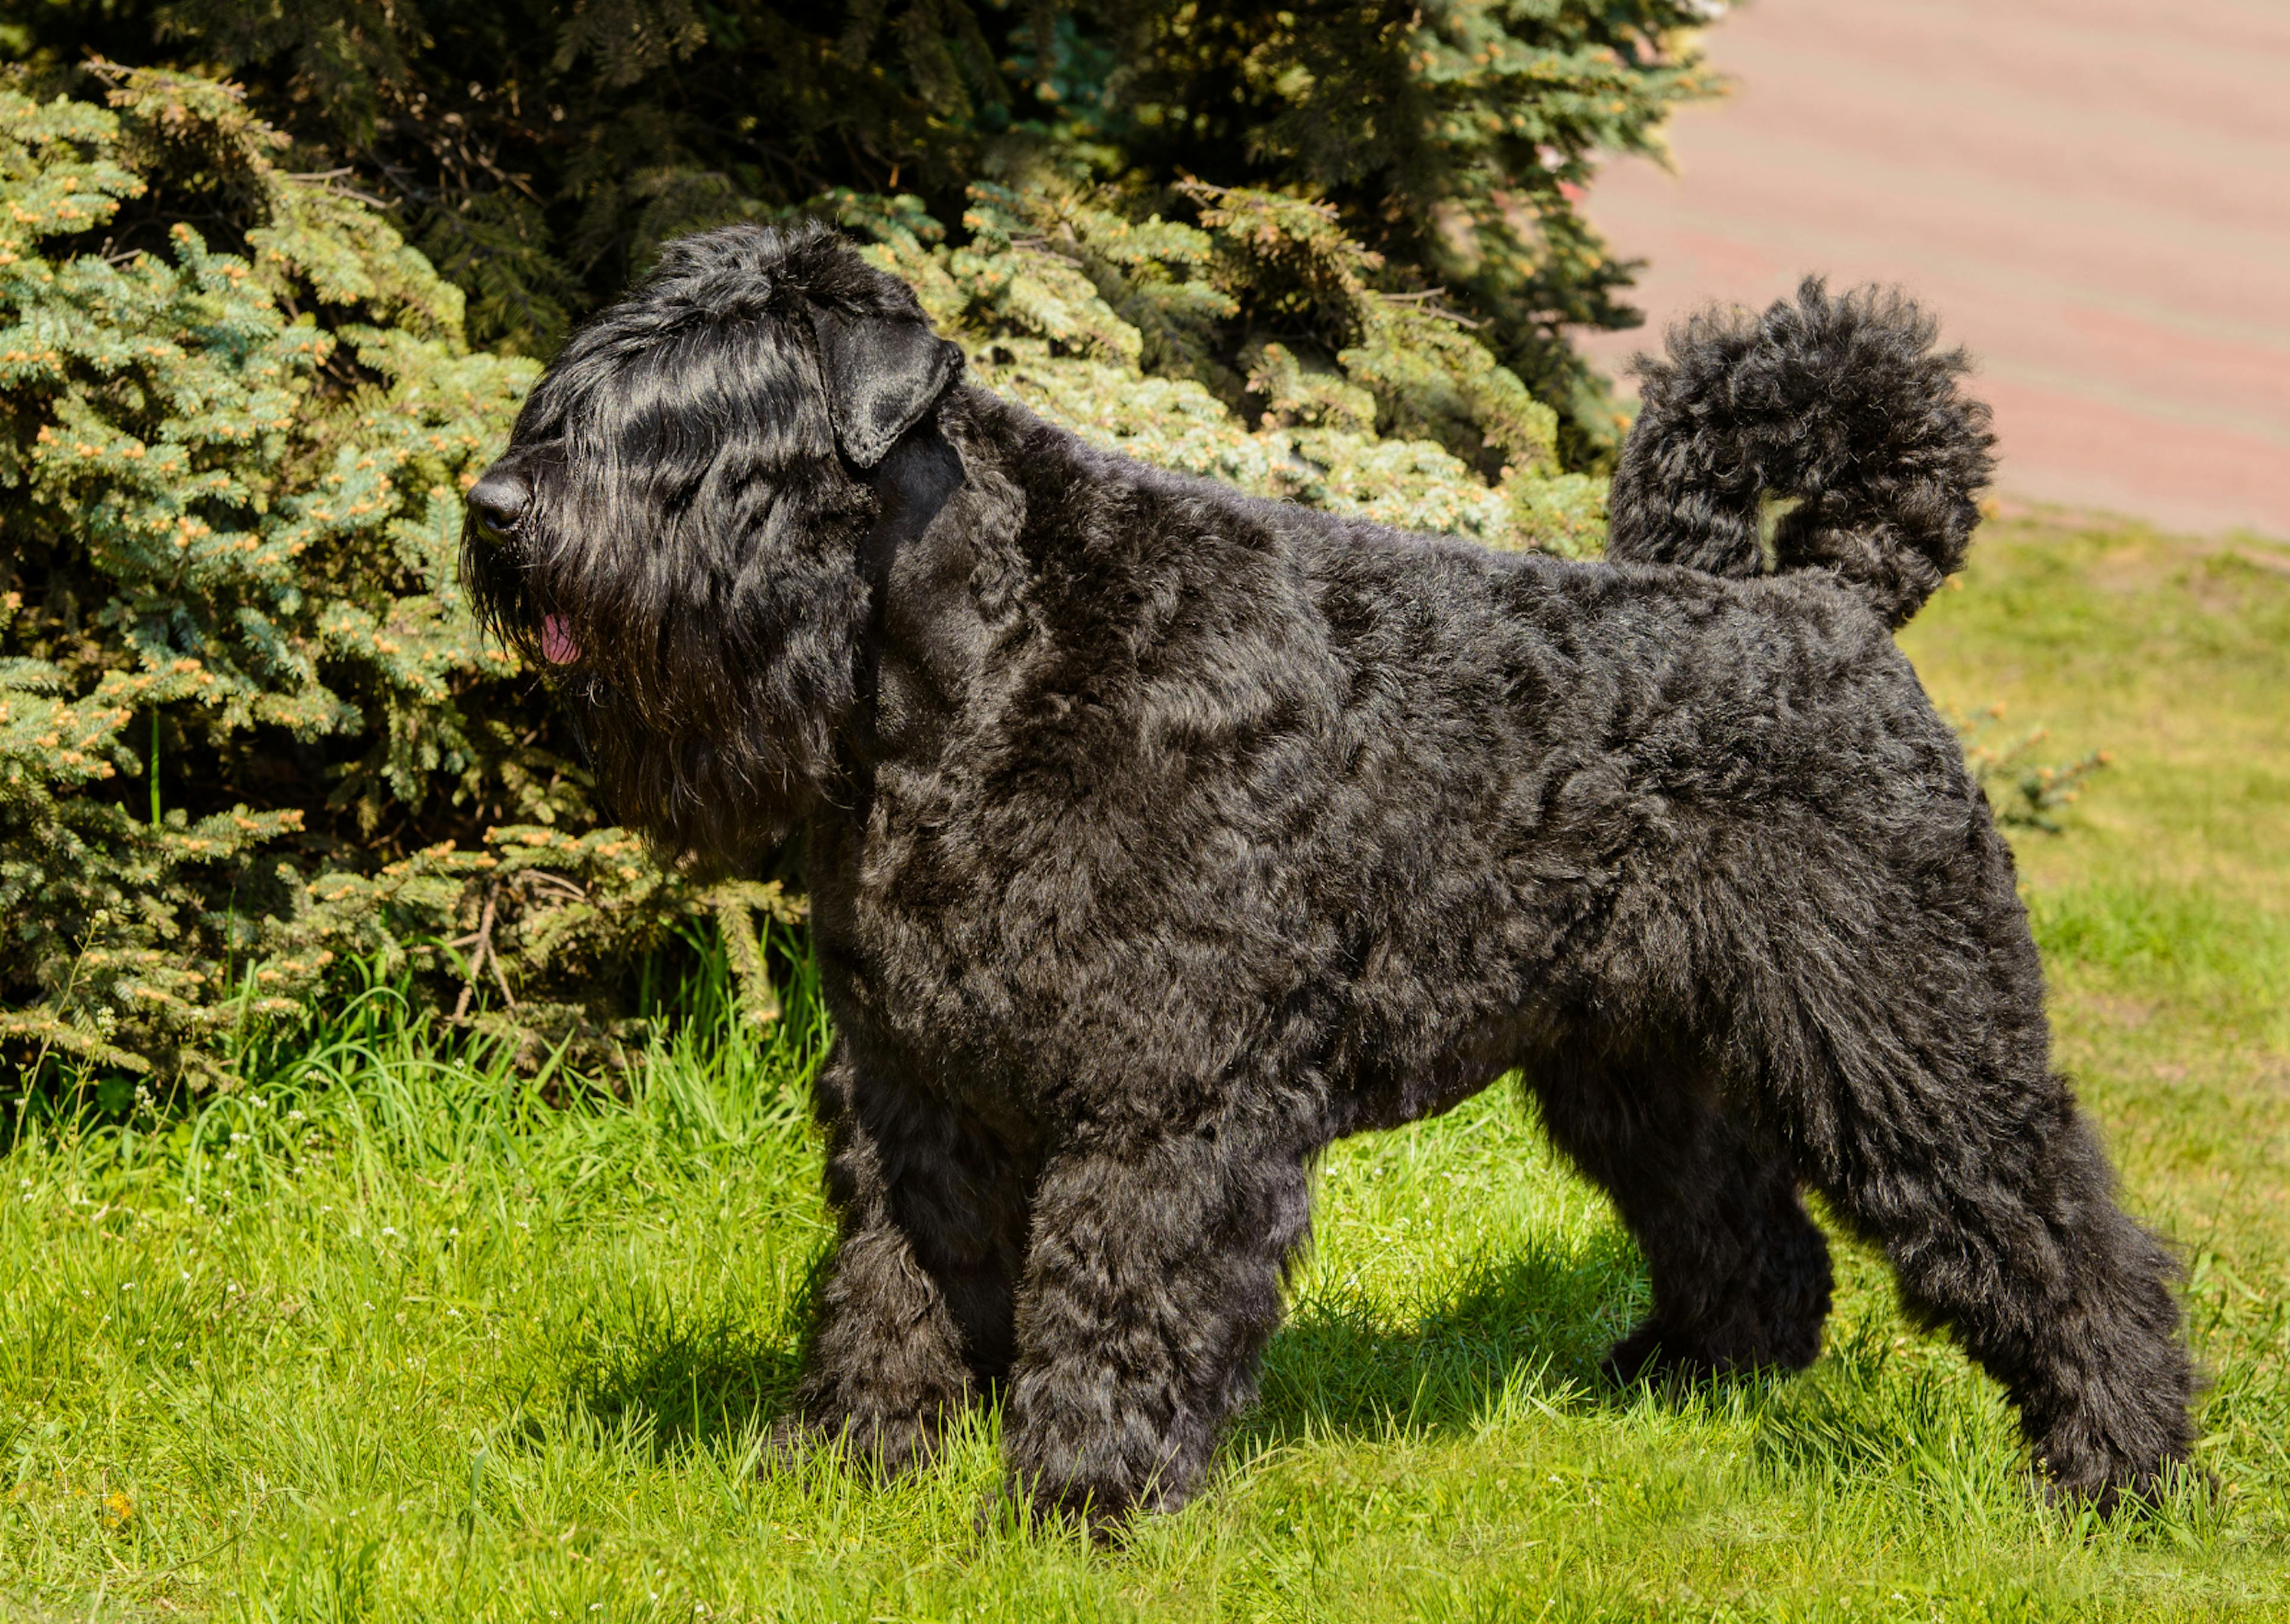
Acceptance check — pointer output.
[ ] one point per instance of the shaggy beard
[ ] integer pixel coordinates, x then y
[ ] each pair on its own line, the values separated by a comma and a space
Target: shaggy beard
712, 721
714, 735
712, 801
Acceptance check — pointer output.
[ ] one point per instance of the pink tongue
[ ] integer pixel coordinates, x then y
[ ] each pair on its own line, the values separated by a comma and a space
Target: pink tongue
557, 644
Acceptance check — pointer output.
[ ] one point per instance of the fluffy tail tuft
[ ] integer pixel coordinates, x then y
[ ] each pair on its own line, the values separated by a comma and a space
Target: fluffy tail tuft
1843, 404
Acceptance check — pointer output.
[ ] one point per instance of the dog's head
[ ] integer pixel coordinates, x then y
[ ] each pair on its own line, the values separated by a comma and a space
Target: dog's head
674, 529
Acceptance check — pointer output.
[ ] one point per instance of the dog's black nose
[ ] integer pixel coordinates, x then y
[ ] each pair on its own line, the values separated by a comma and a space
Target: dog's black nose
498, 499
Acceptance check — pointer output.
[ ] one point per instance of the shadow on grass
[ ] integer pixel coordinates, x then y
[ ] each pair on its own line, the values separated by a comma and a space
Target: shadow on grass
684, 1381
1525, 1330
1877, 1408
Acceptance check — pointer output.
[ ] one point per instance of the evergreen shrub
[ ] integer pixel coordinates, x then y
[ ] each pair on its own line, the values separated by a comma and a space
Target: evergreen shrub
249, 733
540, 150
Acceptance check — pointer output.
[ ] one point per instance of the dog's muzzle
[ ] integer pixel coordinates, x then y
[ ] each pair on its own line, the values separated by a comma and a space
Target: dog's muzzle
497, 502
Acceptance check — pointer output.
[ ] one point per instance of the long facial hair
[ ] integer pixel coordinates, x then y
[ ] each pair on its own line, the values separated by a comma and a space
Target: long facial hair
692, 536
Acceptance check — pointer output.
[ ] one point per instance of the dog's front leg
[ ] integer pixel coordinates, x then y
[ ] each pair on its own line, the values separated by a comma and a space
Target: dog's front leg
1152, 1282
915, 1315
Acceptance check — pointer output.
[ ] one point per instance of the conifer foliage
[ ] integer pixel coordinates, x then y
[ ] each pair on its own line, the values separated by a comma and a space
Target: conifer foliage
247, 727
1110, 324
256, 340
539, 152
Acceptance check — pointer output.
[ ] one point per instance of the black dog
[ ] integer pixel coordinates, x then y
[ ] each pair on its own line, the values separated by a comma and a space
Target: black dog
1160, 836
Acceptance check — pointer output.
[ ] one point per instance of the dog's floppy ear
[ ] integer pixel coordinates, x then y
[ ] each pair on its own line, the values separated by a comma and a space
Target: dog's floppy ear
882, 374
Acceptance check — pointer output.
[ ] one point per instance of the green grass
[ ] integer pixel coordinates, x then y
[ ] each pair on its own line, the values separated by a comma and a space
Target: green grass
387, 1335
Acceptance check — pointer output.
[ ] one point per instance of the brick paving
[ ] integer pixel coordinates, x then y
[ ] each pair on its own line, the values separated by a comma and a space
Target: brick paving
2093, 194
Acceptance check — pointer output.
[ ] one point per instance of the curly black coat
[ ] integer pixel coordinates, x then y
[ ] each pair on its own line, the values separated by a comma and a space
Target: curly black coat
1160, 836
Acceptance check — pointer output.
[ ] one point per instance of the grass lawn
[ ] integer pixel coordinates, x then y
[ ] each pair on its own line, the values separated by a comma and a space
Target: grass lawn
383, 1336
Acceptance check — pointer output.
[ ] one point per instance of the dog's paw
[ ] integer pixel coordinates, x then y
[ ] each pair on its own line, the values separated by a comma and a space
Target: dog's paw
1014, 1510
1656, 1353
793, 1441
881, 1446
1651, 1355
2112, 1488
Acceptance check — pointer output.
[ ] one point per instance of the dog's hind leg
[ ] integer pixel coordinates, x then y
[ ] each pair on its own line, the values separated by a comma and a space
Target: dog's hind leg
916, 1312
1995, 1206
1904, 1052
1740, 1274
1151, 1285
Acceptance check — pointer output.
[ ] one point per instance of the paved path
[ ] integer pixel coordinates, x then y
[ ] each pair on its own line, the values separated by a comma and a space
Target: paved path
2095, 195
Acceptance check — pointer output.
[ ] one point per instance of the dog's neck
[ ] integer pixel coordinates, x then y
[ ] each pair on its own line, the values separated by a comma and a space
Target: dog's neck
924, 641
914, 480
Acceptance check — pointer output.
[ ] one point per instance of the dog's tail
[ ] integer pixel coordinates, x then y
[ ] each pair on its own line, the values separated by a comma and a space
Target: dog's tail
1841, 404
